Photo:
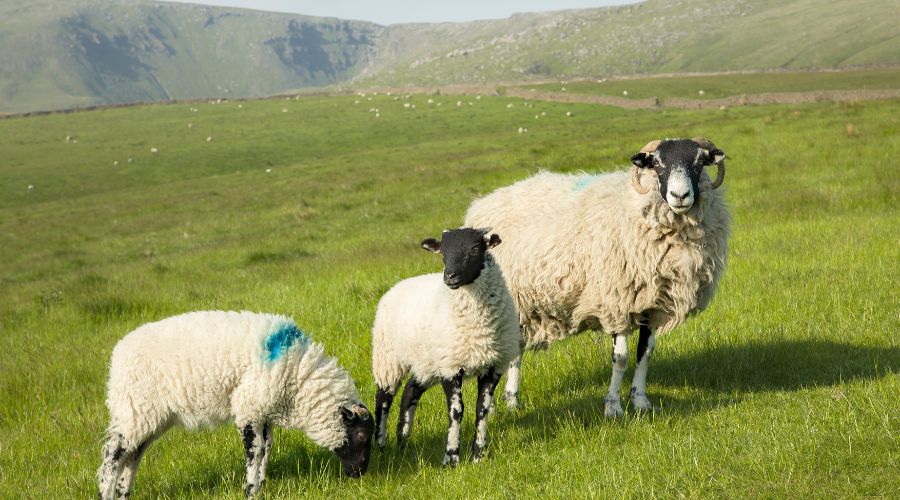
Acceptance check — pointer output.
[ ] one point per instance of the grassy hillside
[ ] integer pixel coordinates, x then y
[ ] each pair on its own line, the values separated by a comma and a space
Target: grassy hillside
100, 51
64, 54
785, 387
655, 36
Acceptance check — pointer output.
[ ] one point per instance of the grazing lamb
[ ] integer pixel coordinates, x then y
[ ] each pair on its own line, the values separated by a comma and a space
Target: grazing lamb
204, 368
442, 329
613, 252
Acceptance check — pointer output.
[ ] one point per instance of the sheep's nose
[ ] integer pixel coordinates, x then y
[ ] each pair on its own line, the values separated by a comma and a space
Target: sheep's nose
451, 276
679, 196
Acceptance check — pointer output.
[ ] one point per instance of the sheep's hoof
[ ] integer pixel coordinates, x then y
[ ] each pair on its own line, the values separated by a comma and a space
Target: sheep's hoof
613, 408
451, 460
512, 400
642, 403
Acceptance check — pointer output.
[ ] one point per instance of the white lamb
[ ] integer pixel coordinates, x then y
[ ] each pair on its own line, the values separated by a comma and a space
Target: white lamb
442, 329
205, 368
613, 251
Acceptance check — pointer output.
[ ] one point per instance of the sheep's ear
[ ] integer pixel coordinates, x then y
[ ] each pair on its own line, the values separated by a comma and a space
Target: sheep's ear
347, 414
642, 160
714, 156
493, 241
432, 245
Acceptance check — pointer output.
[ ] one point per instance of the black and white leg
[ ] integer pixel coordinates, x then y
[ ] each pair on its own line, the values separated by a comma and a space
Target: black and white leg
253, 436
383, 399
408, 404
511, 388
267, 446
646, 343
130, 466
115, 454
487, 382
613, 402
453, 392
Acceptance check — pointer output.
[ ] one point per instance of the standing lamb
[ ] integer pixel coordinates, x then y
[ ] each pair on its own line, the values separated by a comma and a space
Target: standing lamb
204, 368
613, 252
442, 329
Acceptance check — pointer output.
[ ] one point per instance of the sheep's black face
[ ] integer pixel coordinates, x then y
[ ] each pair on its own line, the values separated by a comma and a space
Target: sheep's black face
354, 453
678, 164
464, 252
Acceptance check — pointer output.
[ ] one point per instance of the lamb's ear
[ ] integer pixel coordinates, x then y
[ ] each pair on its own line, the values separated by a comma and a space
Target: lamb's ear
432, 245
347, 414
493, 241
642, 160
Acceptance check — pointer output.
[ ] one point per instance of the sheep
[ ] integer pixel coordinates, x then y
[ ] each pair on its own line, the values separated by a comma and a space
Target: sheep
611, 252
442, 329
204, 368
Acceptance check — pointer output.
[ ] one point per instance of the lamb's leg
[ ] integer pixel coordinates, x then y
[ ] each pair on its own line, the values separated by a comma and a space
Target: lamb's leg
513, 373
613, 403
253, 436
115, 454
453, 392
383, 400
130, 466
408, 403
487, 382
646, 343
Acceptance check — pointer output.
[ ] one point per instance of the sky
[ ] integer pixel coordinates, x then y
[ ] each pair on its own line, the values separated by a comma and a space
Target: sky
411, 11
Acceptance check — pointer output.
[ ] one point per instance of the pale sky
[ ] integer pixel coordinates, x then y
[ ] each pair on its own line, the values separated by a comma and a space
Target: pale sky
410, 11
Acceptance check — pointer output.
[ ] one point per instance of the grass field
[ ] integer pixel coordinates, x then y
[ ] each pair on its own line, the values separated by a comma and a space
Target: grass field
717, 86
787, 386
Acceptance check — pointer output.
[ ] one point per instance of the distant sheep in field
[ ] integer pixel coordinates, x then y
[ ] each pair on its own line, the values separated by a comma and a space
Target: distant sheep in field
615, 252
203, 368
440, 329
154, 151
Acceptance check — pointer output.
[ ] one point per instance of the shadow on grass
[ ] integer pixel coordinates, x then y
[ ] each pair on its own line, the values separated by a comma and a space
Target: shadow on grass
728, 373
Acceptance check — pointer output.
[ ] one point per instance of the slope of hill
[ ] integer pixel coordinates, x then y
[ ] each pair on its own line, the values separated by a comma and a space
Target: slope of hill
62, 54
99, 51
656, 36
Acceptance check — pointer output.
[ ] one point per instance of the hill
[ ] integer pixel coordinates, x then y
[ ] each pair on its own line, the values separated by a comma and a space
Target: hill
64, 54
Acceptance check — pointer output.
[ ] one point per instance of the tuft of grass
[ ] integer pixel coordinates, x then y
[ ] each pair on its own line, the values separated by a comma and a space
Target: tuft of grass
786, 386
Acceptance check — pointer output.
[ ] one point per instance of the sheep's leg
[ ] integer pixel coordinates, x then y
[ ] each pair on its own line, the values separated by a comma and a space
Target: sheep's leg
408, 403
115, 454
130, 466
487, 382
513, 374
383, 400
646, 343
453, 392
267, 445
613, 403
253, 436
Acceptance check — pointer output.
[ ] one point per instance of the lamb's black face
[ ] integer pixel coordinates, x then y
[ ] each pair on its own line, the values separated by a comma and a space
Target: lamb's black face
464, 250
678, 164
354, 453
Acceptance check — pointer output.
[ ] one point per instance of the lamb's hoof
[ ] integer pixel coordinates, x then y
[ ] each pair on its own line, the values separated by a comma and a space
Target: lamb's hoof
451, 460
642, 403
613, 408
512, 400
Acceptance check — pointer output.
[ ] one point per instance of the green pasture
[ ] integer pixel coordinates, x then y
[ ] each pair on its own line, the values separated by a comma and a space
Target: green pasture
718, 86
787, 386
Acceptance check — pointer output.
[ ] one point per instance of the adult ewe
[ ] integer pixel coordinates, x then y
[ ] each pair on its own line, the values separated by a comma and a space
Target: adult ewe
615, 251
441, 329
203, 368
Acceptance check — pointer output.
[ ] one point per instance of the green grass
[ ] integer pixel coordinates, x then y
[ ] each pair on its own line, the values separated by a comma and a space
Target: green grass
717, 86
786, 386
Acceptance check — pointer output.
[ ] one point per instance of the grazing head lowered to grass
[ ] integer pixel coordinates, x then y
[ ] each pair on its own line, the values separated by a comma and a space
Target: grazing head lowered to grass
440, 328
614, 252
203, 368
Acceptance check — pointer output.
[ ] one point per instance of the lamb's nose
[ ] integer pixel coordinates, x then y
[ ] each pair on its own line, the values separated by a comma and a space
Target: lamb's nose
679, 196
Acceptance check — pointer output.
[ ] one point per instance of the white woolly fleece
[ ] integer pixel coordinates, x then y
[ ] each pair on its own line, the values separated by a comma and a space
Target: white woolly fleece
206, 368
587, 252
424, 327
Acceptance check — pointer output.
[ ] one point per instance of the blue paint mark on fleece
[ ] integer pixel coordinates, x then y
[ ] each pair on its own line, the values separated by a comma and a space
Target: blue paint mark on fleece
279, 341
583, 182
